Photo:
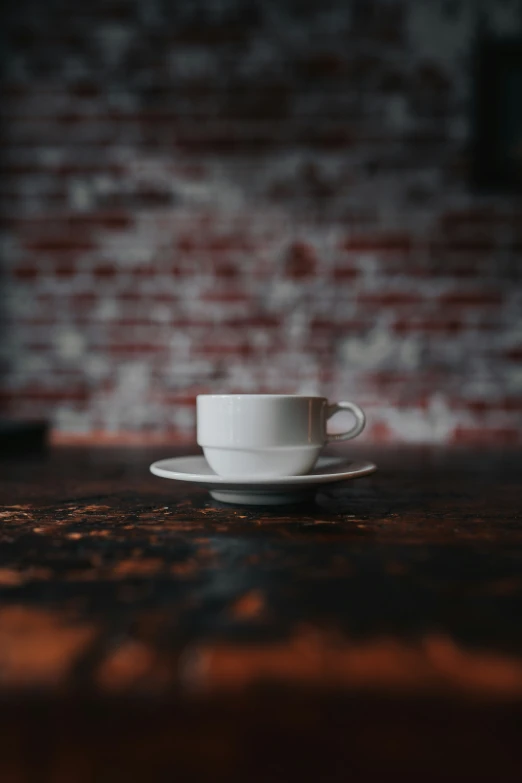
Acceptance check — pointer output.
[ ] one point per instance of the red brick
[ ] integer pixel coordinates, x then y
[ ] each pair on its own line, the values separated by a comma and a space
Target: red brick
74, 169
326, 377
37, 321
471, 299
65, 270
411, 326
183, 399
71, 118
38, 345
359, 217
515, 354
59, 244
226, 270
228, 141
328, 137
143, 349
459, 272
380, 432
476, 406
414, 384
301, 260
164, 298
194, 171
228, 243
510, 404
480, 435
105, 271
39, 394
190, 322
391, 299
26, 272
384, 243
225, 296
60, 170
139, 298
148, 271
112, 221
505, 404
475, 218
251, 322
131, 322
322, 324
83, 301
186, 244
341, 273
280, 191
214, 349
477, 246
135, 297
384, 378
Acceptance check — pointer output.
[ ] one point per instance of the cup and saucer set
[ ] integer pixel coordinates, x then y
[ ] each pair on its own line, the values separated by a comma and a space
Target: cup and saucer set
264, 449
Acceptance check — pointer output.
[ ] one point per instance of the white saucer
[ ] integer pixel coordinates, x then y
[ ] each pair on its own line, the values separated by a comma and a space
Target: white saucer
260, 491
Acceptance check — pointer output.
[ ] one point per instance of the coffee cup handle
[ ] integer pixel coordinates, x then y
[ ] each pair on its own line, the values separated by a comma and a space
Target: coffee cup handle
360, 420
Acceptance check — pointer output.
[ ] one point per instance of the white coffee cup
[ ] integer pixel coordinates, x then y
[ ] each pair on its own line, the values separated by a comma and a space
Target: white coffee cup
267, 434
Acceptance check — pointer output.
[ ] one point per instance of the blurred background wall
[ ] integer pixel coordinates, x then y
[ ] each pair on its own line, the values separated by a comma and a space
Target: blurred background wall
216, 195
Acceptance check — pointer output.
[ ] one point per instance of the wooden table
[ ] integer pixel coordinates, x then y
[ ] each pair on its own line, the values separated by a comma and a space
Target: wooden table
150, 633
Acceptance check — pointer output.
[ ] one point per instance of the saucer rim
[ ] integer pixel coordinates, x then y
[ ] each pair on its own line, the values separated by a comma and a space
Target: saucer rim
355, 469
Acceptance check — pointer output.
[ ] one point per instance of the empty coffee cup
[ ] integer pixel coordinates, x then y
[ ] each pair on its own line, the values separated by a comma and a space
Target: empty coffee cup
267, 434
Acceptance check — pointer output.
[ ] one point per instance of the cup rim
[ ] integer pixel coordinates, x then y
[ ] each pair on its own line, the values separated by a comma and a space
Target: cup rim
262, 396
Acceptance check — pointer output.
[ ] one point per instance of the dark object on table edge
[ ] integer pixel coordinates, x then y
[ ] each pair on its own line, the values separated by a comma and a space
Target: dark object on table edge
23, 437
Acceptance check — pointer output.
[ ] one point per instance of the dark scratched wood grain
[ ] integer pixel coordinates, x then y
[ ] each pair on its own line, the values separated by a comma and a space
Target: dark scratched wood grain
148, 632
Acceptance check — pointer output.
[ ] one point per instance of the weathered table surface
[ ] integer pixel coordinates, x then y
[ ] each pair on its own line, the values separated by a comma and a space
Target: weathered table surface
150, 633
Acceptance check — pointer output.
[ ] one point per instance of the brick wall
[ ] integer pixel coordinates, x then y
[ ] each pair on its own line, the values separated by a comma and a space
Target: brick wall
253, 196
